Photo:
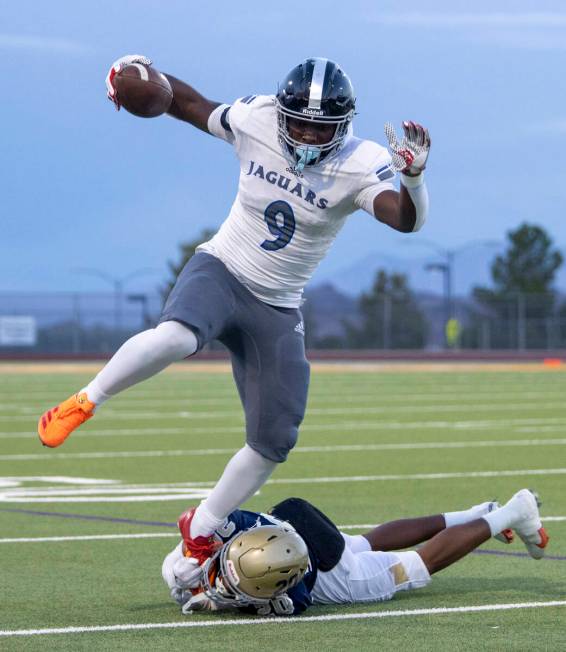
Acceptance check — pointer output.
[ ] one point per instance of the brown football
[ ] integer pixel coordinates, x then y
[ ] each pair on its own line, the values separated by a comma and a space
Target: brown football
143, 90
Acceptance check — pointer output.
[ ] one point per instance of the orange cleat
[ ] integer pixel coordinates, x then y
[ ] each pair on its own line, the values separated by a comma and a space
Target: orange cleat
58, 423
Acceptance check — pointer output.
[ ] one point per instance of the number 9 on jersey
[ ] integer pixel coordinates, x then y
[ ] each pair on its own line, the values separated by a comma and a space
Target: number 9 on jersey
283, 231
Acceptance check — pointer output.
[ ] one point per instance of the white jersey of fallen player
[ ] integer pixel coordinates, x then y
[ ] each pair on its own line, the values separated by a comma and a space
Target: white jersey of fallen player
283, 222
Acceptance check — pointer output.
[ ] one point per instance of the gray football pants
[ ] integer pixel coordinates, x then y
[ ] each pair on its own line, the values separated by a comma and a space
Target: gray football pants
266, 345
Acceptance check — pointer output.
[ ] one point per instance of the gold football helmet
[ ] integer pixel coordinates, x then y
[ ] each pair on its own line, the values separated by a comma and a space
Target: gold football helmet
256, 565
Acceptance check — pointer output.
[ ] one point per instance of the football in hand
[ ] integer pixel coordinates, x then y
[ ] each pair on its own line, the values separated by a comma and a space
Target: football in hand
143, 90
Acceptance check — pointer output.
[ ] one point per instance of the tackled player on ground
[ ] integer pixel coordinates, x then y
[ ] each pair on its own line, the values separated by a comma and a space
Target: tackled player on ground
282, 562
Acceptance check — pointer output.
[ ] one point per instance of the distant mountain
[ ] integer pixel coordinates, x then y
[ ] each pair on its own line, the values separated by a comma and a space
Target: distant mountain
326, 309
470, 268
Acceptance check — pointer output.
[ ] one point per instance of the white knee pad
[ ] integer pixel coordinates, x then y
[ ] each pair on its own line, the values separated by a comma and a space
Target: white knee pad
356, 543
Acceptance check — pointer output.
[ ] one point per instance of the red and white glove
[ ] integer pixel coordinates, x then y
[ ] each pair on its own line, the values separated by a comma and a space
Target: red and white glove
410, 155
117, 66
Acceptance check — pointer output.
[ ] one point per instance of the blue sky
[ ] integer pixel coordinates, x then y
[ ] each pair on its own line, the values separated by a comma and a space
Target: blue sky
84, 186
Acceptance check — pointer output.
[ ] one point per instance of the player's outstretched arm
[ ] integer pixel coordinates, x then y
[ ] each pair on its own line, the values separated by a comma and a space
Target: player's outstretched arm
189, 105
406, 210
397, 210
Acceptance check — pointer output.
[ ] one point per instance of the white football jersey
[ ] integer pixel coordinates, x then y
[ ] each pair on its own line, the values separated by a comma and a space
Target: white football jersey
282, 222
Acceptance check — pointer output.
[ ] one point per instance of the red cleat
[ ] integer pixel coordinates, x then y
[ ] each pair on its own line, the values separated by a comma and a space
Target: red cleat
201, 548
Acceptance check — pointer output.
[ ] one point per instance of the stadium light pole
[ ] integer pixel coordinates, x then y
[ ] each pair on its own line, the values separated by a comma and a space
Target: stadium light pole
446, 270
117, 283
446, 267
449, 255
142, 300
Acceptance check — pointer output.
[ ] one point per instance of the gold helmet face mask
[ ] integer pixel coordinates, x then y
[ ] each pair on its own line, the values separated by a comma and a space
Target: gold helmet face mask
256, 565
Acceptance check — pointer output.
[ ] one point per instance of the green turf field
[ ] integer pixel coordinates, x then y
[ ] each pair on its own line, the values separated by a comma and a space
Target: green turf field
374, 446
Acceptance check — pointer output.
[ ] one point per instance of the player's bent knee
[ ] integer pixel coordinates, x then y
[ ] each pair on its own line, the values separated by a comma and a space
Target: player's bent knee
176, 339
275, 445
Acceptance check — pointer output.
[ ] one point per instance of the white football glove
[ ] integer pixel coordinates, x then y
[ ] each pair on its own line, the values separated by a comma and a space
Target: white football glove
199, 602
410, 155
117, 66
279, 606
180, 573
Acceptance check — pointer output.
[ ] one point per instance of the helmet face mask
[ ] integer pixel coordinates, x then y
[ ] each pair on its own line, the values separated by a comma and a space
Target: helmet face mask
255, 566
316, 91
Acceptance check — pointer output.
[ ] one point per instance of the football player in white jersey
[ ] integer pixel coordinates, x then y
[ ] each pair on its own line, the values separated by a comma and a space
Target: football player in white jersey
302, 172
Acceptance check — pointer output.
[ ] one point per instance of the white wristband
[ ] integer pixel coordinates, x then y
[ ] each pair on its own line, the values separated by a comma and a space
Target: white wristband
412, 182
419, 196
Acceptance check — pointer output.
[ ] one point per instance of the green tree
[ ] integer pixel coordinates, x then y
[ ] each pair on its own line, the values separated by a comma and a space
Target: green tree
560, 329
529, 264
390, 316
186, 251
522, 298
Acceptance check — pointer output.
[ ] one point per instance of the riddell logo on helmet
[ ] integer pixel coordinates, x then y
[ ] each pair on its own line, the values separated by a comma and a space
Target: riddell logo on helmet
312, 111
231, 571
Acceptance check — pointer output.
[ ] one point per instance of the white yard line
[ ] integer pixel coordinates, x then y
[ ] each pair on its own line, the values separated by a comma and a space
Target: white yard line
197, 490
60, 479
175, 534
92, 537
472, 424
540, 429
553, 518
98, 491
111, 537
185, 496
122, 414
25, 406
353, 478
345, 448
126, 432
418, 476
319, 387
205, 622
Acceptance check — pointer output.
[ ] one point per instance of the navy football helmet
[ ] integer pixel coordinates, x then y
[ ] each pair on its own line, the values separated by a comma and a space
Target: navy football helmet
316, 90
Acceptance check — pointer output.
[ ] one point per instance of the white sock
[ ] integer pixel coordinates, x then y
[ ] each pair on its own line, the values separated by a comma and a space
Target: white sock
94, 393
501, 518
141, 357
204, 522
244, 474
467, 515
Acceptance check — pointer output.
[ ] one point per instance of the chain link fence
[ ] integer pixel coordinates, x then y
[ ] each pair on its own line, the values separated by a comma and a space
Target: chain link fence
98, 323
519, 321
72, 323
